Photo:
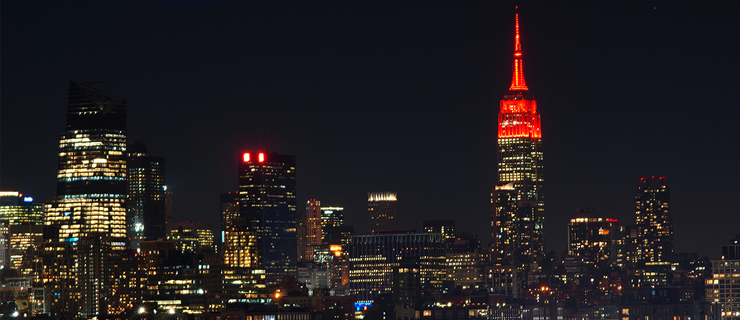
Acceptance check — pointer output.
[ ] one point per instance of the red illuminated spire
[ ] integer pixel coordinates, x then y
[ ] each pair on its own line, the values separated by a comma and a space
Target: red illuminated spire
517, 81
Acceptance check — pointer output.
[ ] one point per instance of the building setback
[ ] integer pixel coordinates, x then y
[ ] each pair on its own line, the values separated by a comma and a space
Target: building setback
518, 216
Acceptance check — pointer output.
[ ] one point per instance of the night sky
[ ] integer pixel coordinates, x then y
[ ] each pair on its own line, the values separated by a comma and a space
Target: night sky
394, 96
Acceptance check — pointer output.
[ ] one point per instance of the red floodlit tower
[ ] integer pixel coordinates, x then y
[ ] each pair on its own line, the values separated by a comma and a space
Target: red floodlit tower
520, 171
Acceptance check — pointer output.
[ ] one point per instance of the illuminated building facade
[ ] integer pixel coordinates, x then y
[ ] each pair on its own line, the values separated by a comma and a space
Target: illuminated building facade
332, 216
514, 235
15, 208
520, 168
591, 237
464, 262
90, 206
197, 236
313, 228
267, 211
381, 211
724, 285
21, 238
654, 243
372, 259
147, 217
91, 181
445, 227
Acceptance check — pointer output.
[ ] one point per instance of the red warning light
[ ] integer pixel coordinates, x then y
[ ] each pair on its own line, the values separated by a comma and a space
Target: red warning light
246, 157
261, 157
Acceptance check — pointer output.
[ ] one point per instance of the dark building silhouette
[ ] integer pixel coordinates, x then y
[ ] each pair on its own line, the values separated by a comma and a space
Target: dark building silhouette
146, 212
267, 212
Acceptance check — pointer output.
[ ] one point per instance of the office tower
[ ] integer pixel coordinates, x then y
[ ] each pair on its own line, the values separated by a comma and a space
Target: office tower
198, 236
21, 238
520, 166
237, 238
267, 209
332, 216
91, 183
445, 227
15, 208
313, 228
464, 263
90, 205
590, 237
514, 235
372, 259
724, 286
146, 212
381, 211
654, 223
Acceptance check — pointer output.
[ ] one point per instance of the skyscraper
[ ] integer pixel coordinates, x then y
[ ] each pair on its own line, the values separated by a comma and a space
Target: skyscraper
520, 161
381, 211
267, 208
146, 218
654, 222
313, 228
91, 183
90, 207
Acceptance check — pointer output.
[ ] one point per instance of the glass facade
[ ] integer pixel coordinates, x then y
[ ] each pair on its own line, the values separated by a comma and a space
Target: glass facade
146, 212
91, 180
267, 213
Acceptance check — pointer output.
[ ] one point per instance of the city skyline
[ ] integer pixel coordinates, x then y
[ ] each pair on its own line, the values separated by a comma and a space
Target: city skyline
385, 104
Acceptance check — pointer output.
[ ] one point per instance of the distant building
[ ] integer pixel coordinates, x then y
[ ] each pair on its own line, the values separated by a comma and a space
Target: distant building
464, 262
267, 213
724, 285
590, 237
15, 208
654, 221
381, 211
332, 216
445, 227
90, 205
372, 259
195, 236
146, 212
313, 228
519, 201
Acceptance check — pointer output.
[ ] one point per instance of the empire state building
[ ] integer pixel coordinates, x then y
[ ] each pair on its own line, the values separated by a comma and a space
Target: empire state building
518, 213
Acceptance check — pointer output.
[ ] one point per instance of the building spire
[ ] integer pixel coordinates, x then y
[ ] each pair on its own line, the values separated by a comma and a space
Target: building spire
517, 81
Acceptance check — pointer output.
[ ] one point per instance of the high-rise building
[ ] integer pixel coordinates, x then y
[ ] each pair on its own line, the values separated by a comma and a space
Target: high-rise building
313, 228
91, 181
90, 206
15, 208
520, 218
146, 214
724, 286
381, 211
372, 259
267, 210
654, 243
332, 216
590, 237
